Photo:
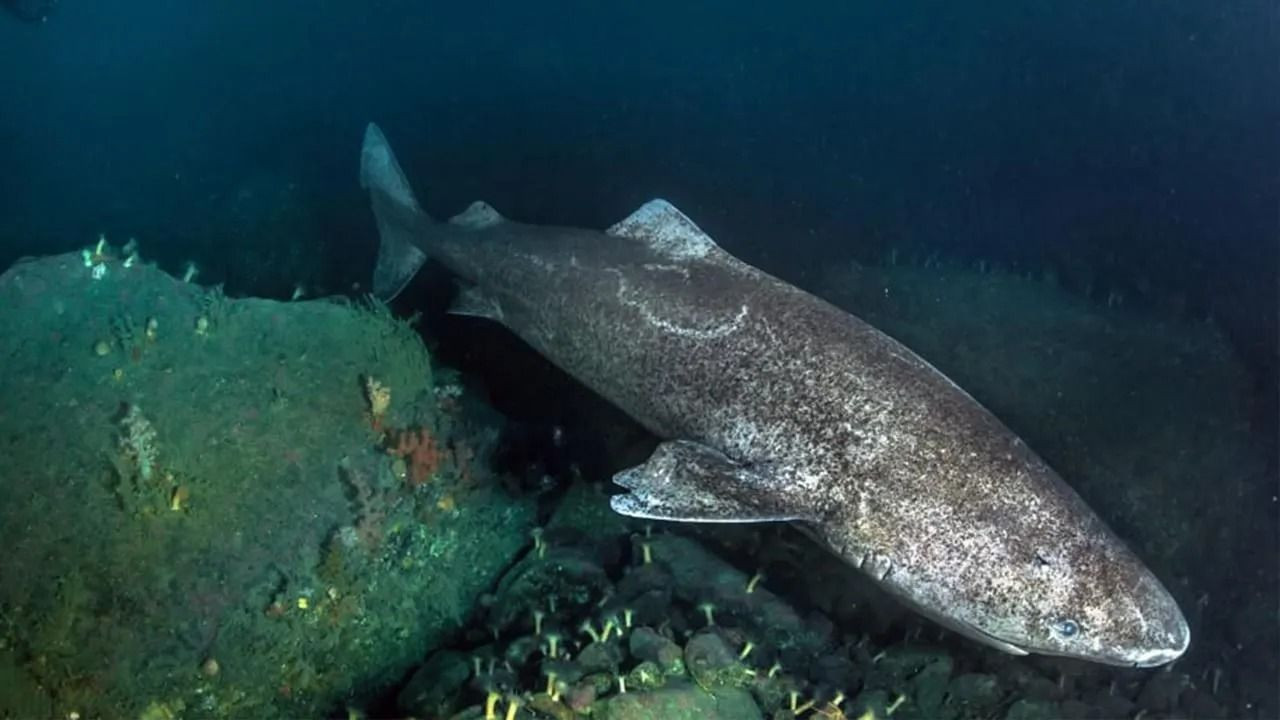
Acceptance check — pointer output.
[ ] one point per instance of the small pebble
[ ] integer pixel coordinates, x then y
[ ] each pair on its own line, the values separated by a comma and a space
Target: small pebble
209, 667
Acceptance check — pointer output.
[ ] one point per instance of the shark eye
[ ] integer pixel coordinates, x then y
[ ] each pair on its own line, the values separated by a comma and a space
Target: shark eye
1039, 560
1066, 628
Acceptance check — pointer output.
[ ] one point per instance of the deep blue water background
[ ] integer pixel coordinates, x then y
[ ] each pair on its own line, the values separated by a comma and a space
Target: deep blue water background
1132, 146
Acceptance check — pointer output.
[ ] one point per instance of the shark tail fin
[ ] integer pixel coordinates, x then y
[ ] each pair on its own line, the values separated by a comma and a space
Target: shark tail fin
400, 219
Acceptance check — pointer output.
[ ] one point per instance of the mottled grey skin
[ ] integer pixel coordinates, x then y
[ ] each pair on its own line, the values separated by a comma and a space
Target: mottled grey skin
779, 406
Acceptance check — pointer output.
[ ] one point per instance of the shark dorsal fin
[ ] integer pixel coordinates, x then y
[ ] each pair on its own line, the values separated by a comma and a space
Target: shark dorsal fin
477, 216
666, 230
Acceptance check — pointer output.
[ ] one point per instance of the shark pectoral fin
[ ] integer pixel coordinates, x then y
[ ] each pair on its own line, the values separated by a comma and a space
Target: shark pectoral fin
474, 302
691, 482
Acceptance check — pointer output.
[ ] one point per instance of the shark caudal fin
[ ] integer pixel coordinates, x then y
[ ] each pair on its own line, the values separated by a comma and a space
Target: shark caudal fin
400, 218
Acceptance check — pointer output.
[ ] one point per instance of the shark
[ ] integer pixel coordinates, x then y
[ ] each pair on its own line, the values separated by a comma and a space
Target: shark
773, 405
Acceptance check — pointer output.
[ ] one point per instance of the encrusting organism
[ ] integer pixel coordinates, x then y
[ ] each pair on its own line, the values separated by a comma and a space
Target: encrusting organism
379, 398
138, 441
420, 451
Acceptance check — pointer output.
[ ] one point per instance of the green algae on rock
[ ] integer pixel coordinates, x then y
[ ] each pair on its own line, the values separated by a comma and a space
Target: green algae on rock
265, 532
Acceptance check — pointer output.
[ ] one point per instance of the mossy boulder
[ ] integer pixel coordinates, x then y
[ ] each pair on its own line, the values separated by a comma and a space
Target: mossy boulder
270, 559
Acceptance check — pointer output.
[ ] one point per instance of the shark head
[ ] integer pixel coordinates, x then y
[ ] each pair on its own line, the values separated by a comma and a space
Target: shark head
1046, 578
1092, 605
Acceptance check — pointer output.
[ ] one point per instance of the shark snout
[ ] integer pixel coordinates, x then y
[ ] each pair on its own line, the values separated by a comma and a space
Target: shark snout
1176, 638
1166, 652
1167, 634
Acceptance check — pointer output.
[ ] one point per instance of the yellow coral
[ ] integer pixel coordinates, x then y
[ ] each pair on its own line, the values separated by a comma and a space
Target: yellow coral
379, 398
162, 711
178, 498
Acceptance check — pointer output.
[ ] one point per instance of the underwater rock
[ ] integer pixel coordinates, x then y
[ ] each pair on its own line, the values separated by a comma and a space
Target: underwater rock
975, 694
896, 665
518, 651
566, 672
580, 696
1038, 687
646, 589
556, 576
834, 670
266, 527
872, 703
600, 657
1076, 710
1027, 682
600, 683
688, 702
647, 645
1025, 709
493, 676
646, 676
773, 693
1114, 706
712, 664
545, 705
585, 508
434, 686
929, 686
699, 578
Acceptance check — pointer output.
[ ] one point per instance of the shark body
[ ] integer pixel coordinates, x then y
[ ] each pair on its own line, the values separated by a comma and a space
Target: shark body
774, 405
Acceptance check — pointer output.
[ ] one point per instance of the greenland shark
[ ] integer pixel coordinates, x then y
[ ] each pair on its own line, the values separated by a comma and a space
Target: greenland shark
773, 405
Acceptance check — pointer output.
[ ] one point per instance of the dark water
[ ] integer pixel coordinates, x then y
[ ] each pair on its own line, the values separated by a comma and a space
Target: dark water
1130, 151
1135, 142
